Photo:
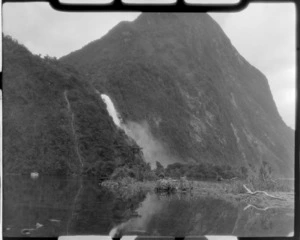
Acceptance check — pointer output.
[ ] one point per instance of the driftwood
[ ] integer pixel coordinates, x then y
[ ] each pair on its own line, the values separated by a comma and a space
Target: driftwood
263, 192
27, 231
258, 208
54, 220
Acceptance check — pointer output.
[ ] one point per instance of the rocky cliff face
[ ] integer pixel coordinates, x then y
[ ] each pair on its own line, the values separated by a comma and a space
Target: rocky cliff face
55, 123
179, 75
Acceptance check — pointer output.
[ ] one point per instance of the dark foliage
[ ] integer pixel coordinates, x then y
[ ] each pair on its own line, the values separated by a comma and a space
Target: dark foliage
55, 123
201, 171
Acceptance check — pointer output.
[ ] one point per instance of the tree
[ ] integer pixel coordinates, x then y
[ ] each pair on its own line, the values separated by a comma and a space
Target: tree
159, 171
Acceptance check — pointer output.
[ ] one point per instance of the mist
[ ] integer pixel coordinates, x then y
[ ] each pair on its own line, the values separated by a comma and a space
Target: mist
153, 150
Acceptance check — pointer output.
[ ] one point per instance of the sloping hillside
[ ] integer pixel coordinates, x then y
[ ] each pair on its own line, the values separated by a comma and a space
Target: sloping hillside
178, 75
55, 123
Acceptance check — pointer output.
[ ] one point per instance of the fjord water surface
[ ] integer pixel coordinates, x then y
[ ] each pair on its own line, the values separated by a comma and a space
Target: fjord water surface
53, 206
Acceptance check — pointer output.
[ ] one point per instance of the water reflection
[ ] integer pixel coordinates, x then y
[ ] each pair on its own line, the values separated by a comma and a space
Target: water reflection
270, 222
182, 215
46, 201
51, 206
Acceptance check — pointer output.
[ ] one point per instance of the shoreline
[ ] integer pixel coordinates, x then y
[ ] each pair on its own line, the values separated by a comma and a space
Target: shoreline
228, 191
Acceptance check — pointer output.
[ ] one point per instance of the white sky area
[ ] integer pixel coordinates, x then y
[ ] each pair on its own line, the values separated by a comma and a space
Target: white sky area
264, 33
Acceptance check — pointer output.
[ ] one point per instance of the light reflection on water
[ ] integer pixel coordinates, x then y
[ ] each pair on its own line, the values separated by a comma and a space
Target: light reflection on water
52, 206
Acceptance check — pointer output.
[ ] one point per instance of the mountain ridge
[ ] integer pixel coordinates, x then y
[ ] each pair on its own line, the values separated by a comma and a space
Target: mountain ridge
171, 63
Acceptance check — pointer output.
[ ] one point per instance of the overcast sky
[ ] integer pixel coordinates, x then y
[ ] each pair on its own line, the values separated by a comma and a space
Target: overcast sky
263, 33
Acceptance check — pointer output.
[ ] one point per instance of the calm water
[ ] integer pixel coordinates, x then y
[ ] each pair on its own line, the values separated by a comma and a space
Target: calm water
51, 206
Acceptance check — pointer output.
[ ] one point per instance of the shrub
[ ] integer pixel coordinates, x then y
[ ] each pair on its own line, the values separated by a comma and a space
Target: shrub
184, 184
159, 171
112, 185
150, 176
120, 173
164, 185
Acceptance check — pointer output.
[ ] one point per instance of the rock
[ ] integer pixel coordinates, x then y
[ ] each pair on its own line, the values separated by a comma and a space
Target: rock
34, 175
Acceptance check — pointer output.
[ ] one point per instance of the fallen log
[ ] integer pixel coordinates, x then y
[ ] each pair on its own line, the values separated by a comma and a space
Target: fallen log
258, 208
263, 192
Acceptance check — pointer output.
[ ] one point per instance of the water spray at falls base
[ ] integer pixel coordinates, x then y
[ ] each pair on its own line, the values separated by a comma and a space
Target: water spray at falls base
152, 149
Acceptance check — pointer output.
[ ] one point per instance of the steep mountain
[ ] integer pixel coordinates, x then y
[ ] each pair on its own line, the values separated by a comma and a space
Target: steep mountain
179, 76
55, 123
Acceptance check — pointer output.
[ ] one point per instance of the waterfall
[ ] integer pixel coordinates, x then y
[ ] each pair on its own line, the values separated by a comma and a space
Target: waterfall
152, 148
111, 109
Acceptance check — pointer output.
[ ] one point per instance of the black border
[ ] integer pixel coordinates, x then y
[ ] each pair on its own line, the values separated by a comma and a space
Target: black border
181, 6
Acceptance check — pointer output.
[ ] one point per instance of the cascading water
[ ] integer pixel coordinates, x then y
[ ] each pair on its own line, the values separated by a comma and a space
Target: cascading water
152, 149
111, 109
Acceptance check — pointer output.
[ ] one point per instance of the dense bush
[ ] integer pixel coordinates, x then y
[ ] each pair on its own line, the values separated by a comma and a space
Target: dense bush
165, 185
56, 124
171, 185
199, 171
